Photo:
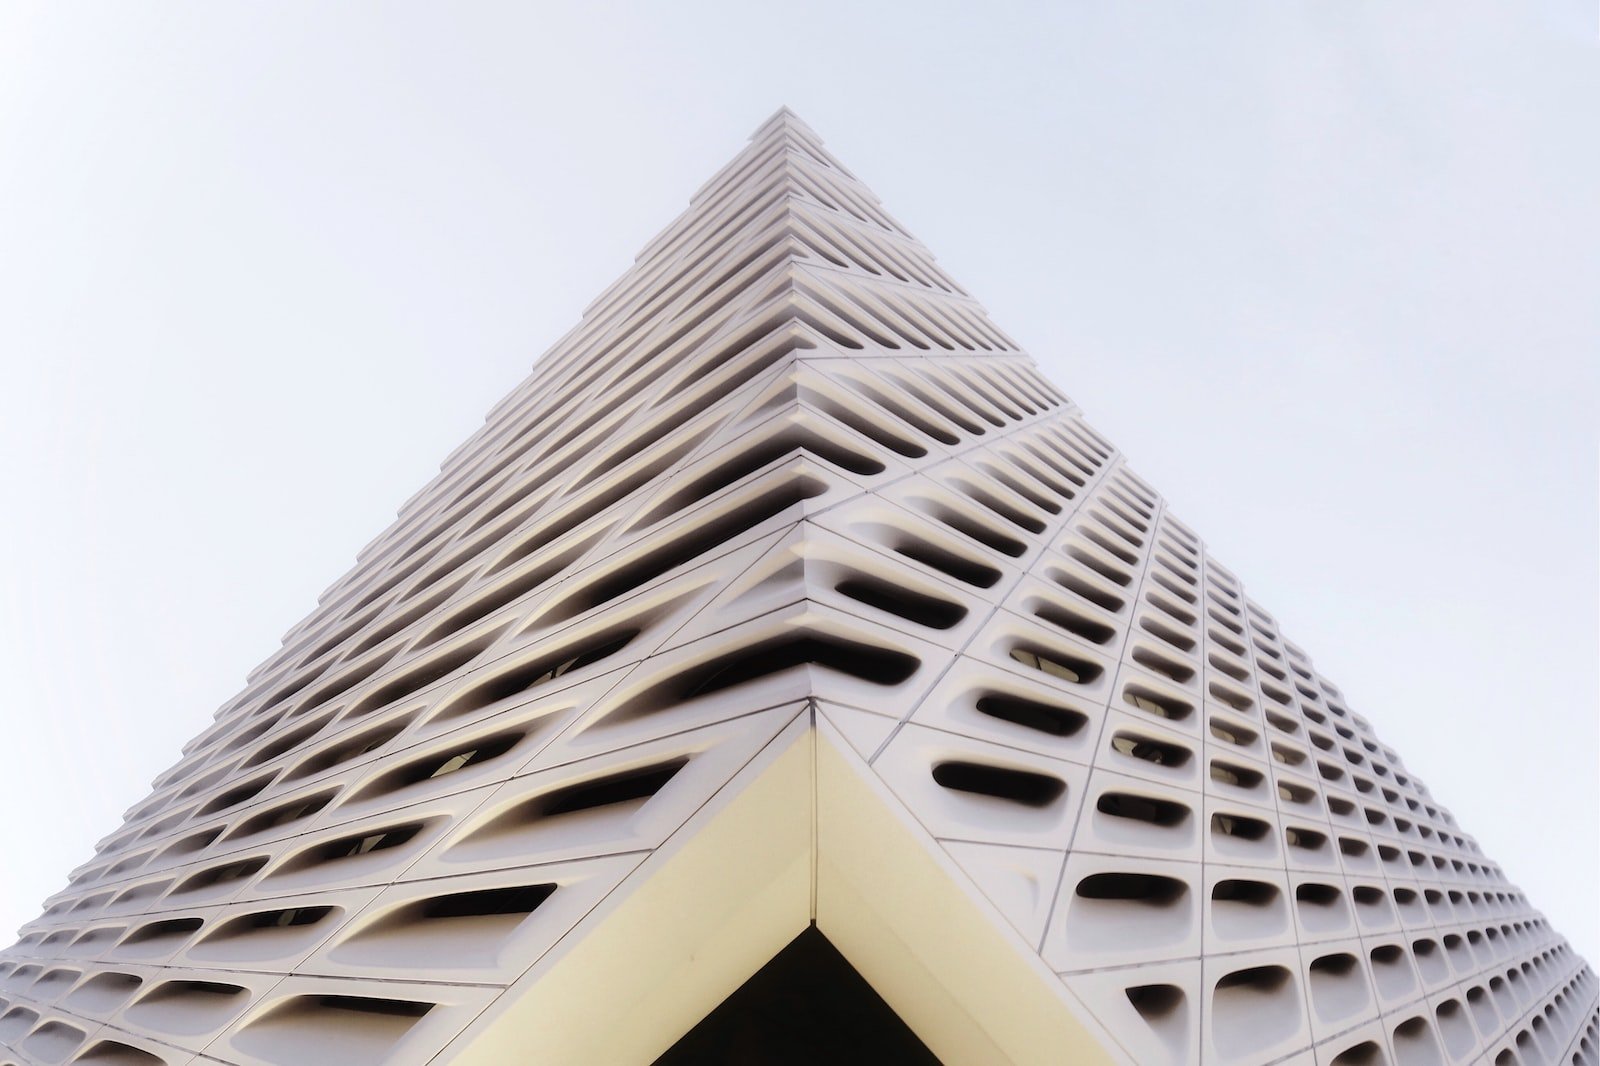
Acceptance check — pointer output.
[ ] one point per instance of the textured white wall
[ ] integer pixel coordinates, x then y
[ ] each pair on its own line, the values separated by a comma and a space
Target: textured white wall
1327, 276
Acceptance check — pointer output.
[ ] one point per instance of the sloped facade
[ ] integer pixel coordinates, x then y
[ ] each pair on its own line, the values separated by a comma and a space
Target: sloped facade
786, 591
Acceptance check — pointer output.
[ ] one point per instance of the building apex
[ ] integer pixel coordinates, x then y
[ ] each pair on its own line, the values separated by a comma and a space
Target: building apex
785, 121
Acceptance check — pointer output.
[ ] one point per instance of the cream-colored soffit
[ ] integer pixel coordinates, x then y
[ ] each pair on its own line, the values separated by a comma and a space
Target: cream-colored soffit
786, 590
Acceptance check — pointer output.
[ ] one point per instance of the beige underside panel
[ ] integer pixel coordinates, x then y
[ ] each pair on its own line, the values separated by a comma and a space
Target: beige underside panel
801, 834
922, 940
710, 908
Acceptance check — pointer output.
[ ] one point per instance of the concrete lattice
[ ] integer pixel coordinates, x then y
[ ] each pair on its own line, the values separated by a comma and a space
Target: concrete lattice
786, 509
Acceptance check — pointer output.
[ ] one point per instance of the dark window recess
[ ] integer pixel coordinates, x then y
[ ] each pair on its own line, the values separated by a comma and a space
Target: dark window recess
1050, 459
1263, 979
417, 608
1228, 773
418, 559
192, 990
1234, 825
1250, 893
1074, 622
343, 752
1161, 602
1295, 793
982, 532
575, 517
1283, 724
1231, 645
526, 490
195, 842
219, 875
906, 414
1057, 663
1157, 812
483, 604
1305, 838
750, 459
1099, 565
540, 671
1152, 751
1365, 1053
1044, 717
486, 903
601, 792
1179, 591
1314, 895
442, 765
287, 742
1163, 665
234, 797
1276, 672
280, 919
1177, 638
807, 1005
1388, 955
88, 903
1233, 670
291, 689
1004, 510
1277, 696
130, 863
1232, 697
114, 1051
1157, 703
421, 676
1229, 733
1148, 889
342, 685
934, 401
964, 398
1108, 545
170, 929
1038, 499
1157, 1004
283, 815
397, 1008
884, 435
1017, 786
899, 600
880, 666
1079, 586
352, 846
977, 574
1334, 965
688, 545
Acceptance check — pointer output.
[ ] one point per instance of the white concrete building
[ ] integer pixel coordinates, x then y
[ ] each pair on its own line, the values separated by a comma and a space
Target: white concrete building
786, 603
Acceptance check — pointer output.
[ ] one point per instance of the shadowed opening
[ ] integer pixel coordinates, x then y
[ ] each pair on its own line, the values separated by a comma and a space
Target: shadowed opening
807, 1005
1017, 786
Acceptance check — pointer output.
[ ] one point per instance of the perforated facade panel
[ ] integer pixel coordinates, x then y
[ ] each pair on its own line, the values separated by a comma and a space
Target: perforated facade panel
786, 477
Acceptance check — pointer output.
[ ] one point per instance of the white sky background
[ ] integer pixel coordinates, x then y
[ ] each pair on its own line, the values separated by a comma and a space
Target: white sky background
1329, 273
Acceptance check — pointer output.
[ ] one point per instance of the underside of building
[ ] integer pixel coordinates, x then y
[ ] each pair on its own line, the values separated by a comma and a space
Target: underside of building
787, 672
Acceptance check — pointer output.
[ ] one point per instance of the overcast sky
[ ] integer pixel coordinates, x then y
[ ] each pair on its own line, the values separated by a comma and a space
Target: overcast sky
1328, 273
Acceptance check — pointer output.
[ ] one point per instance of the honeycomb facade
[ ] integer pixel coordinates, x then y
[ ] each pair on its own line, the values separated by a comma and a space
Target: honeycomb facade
786, 591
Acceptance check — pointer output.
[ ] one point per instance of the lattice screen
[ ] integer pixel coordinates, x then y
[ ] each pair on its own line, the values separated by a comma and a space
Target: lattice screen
786, 466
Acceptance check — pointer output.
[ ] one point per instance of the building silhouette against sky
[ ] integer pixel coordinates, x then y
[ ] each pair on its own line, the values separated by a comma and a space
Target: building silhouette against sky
787, 672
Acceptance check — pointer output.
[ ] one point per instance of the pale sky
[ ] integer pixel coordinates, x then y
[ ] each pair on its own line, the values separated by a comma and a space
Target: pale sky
1329, 273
